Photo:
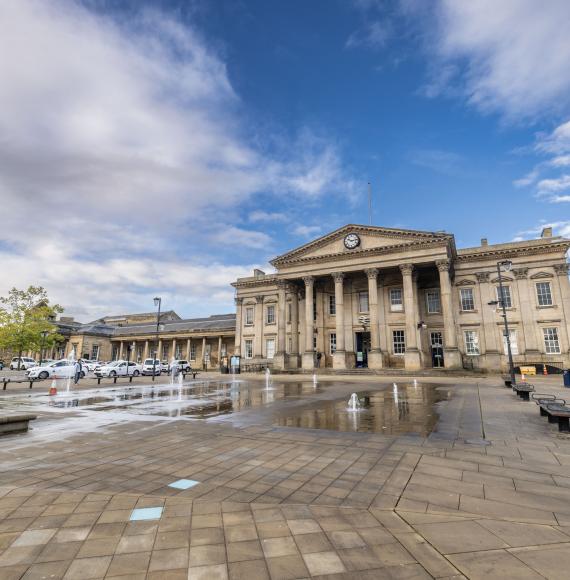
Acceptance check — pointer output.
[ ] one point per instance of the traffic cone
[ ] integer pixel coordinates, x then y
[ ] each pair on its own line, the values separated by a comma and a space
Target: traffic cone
544, 371
53, 388
523, 378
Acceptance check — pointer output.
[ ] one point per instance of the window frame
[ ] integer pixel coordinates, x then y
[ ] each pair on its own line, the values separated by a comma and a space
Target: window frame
332, 343
462, 299
514, 341
248, 348
437, 293
248, 310
554, 339
267, 350
193, 351
399, 346
363, 296
396, 306
270, 315
332, 305
506, 293
472, 347
540, 295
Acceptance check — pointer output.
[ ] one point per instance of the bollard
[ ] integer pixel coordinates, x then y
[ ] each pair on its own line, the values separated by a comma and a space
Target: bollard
115, 380
5, 381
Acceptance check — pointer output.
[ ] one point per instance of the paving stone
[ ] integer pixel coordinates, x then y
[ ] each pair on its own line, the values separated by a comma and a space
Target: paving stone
250, 570
240, 551
217, 572
87, 568
51, 570
287, 568
169, 559
129, 563
320, 563
492, 564
207, 555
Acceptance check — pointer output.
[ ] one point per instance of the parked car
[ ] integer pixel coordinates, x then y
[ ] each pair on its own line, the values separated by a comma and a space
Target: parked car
164, 366
179, 365
25, 363
119, 368
149, 364
46, 361
58, 369
91, 365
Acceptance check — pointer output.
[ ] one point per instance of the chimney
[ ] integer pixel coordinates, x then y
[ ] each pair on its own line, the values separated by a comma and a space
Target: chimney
546, 232
258, 273
484, 242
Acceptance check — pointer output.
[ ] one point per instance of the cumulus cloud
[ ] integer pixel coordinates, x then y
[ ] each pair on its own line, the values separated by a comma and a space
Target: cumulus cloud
307, 231
122, 149
373, 35
267, 216
559, 228
511, 56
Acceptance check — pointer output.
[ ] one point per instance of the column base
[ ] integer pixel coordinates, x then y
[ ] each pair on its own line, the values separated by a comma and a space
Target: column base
492, 361
452, 358
280, 361
308, 361
293, 361
412, 360
375, 359
339, 359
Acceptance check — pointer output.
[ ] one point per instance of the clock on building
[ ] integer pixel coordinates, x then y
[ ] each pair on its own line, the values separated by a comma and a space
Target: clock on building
351, 241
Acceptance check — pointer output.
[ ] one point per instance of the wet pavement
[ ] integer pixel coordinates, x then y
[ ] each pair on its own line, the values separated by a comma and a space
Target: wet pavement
432, 480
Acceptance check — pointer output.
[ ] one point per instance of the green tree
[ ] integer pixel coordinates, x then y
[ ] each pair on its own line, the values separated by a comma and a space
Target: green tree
27, 320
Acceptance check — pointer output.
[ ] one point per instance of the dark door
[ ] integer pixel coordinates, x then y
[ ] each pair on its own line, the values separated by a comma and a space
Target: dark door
362, 349
436, 343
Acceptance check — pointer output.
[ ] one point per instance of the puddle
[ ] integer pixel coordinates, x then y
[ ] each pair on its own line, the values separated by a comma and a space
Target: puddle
409, 409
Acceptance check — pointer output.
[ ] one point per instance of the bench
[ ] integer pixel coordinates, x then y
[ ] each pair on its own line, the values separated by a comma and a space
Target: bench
15, 423
131, 377
542, 400
5, 382
523, 391
191, 372
560, 413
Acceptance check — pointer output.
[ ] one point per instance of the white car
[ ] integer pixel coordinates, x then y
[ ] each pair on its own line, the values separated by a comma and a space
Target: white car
179, 365
119, 368
91, 365
25, 363
150, 364
60, 369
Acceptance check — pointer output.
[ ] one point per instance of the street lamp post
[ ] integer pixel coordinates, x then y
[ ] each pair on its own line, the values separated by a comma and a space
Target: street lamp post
506, 264
157, 303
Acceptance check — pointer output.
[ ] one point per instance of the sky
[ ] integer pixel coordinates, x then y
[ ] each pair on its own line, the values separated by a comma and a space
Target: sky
167, 147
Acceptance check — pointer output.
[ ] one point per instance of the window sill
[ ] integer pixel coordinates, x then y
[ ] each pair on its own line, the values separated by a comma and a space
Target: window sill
468, 311
472, 354
270, 323
547, 306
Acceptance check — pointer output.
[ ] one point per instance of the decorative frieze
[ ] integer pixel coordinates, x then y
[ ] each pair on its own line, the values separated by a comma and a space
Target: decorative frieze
520, 273
561, 269
443, 265
482, 277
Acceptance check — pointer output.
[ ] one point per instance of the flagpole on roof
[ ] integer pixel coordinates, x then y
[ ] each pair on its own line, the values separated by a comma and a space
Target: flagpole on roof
369, 203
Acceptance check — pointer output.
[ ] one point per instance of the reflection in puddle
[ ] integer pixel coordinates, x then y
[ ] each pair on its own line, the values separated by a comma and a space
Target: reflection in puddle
406, 409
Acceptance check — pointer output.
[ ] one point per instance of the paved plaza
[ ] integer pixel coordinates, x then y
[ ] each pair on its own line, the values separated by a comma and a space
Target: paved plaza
486, 494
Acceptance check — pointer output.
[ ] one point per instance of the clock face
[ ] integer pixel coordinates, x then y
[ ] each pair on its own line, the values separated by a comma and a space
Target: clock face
351, 241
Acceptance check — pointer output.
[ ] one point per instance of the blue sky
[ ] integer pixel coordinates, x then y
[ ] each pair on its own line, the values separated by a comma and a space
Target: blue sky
167, 147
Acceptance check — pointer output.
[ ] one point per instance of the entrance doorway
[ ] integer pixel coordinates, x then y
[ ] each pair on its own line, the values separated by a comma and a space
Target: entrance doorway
362, 349
436, 344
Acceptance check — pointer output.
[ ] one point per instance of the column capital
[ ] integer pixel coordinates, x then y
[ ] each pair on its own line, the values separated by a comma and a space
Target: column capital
406, 269
282, 284
520, 273
259, 299
338, 276
443, 265
309, 280
561, 269
482, 277
238, 301
372, 273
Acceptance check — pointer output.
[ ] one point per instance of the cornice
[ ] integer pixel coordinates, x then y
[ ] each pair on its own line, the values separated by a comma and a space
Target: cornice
255, 282
476, 254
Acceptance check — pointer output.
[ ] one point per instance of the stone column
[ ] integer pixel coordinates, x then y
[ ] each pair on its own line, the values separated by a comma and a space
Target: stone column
375, 354
451, 354
188, 345
120, 350
294, 354
564, 293
382, 315
204, 352
219, 350
487, 316
239, 315
258, 346
412, 356
145, 349
339, 357
159, 349
173, 348
309, 353
527, 313
280, 358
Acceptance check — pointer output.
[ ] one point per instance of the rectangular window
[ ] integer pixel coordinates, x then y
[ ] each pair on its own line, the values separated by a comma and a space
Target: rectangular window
551, 342
471, 343
544, 294
513, 340
165, 351
433, 301
396, 303
249, 348
363, 302
249, 315
314, 309
399, 341
332, 305
224, 351
95, 352
193, 351
506, 296
288, 311
207, 353
289, 345
270, 319
332, 342
314, 343
467, 301
270, 348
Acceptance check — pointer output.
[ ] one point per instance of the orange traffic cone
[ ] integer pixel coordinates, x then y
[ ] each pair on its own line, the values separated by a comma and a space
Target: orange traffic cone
523, 378
544, 371
53, 388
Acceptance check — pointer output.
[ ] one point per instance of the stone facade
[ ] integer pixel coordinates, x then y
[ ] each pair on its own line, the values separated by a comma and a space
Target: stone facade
365, 296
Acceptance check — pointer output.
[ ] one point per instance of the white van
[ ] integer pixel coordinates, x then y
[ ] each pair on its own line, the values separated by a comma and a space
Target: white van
148, 366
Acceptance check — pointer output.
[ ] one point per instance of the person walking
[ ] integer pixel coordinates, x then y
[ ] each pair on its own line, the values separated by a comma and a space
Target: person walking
77, 372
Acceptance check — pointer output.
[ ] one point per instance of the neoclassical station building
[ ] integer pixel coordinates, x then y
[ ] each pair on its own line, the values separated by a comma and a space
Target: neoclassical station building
366, 296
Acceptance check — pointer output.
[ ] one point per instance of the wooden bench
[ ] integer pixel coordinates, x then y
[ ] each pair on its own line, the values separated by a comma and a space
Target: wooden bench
6, 381
15, 423
523, 391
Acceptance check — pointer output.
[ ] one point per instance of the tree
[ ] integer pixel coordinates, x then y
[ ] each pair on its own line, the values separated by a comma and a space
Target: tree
25, 315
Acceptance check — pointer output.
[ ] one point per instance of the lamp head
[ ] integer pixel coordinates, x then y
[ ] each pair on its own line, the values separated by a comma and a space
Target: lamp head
157, 301
507, 265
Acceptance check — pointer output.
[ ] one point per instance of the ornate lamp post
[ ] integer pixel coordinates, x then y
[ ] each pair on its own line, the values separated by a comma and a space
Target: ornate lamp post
157, 303
506, 265
44, 335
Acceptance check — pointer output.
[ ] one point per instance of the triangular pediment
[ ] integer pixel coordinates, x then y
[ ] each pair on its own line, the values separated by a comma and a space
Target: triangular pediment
368, 238
540, 275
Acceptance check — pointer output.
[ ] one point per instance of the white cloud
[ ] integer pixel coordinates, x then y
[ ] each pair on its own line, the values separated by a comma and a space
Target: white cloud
267, 216
374, 35
122, 147
546, 186
307, 231
513, 54
559, 228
